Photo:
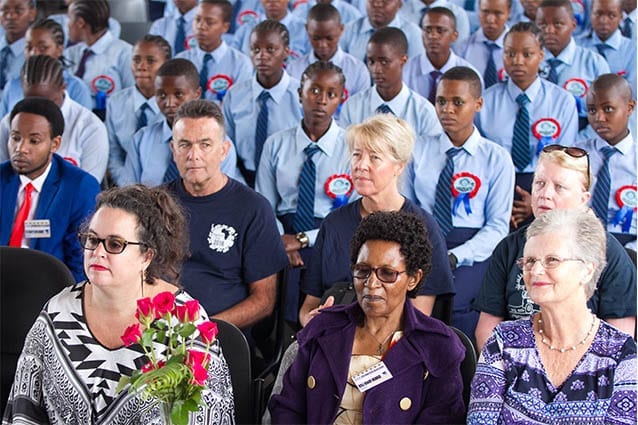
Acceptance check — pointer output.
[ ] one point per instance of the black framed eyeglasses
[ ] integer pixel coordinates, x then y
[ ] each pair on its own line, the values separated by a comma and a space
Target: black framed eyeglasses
112, 244
572, 151
548, 262
384, 274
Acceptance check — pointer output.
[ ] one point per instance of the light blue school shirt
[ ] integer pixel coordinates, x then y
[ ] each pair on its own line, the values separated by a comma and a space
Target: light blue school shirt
477, 53
620, 53
407, 105
355, 71
167, 27
151, 155
15, 59
496, 119
112, 57
299, 44
412, 11
347, 11
227, 62
576, 62
416, 73
622, 169
357, 34
122, 114
491, 207
248, 11
77, 89
280, 168
63, 20
241, 109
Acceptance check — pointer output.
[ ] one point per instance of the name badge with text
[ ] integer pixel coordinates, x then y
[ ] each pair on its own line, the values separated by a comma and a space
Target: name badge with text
37, 229
372, 377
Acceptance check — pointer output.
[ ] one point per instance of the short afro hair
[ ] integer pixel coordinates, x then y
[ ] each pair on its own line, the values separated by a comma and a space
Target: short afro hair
463, 73
180, 68
43, 107
401, 227
391, 36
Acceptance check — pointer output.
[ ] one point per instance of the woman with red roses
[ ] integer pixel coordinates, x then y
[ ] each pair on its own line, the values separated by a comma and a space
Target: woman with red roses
81, 344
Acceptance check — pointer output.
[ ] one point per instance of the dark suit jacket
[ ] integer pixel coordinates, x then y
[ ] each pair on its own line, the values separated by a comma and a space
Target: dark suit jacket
67, 198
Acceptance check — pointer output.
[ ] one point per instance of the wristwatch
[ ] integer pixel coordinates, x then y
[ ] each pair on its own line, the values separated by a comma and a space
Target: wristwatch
303, 239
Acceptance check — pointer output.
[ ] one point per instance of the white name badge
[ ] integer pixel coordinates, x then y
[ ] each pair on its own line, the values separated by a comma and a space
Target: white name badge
37, 229
372, 377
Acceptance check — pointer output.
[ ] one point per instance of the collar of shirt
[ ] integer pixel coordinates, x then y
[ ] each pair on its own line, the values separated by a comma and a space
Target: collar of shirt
286, 19
470, 146
397, 104
336, 58
166, 132
276, 92
624, 146
366, 27
568, 54
65, 108
531, 92
632, 15
326, 143
481, 38
17, 47
37, 183
614, 40
217, 54
101, 45
139, 99
188, 17
427, 67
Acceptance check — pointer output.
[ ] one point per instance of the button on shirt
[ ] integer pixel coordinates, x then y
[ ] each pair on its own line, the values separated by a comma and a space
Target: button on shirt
475, 51
15, 59
496, 119
622, 169
412, 11
407, 105
226, 61
241, 109
491, 207
167, 26
37, 184
282, 160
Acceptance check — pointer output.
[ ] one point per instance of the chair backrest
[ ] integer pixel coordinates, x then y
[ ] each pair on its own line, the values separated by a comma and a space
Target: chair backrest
468, 365
129, 10
286, 362
133, 32
442, 308
237, 354
28, 278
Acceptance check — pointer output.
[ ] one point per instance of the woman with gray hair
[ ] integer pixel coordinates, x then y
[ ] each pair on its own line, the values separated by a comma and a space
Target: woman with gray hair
563, 363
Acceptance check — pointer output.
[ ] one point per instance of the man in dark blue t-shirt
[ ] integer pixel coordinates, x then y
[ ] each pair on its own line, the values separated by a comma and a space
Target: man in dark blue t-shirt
236, 250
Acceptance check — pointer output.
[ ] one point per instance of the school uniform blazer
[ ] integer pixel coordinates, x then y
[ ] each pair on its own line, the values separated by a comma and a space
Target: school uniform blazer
426, 386
67, 198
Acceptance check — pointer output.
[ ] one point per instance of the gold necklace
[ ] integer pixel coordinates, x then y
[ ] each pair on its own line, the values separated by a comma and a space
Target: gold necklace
381, 344
563, 350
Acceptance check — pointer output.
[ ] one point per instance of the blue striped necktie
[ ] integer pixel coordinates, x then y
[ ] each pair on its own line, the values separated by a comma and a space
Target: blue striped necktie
305, 215
203, 73
171, 172
434, 81
553, 73
521, 154
142, 121
384, 109
600, 200
261, 132
443, 195
626, 27
601, 47
491, 75
180, 36
4, 64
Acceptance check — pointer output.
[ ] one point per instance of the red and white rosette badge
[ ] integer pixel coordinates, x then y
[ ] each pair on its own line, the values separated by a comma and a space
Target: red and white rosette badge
465, 186
190, 42
338, 187
502, 75
219, 85
578, 88
546, 130
103, 83
247, 16
627, 201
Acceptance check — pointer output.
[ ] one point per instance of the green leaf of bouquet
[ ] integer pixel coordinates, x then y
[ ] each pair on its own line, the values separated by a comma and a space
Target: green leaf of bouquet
124, 381
147, 339
187, 330
191, 405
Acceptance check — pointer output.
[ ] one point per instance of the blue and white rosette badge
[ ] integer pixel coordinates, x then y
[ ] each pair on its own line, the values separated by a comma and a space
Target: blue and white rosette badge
338, 187
465, 186
578, 88
190, 42
103, 83
627, 201
219, 85
546, 130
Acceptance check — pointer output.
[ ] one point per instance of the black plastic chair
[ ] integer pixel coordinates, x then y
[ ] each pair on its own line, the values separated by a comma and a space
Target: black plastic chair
468, 365
28, 278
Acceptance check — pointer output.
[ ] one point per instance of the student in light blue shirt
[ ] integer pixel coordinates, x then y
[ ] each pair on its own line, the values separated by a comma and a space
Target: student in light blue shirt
45, 37
135, 107
551, 111
276, 10
525, 12
347, 11
15, 18
150, 160
106, 66
265, 104
177, 28
569, 66
609, 107
423, 72
607, 40
381, 14
324, 31
479, 201
220, 66
414, 11
389, 94
63, 20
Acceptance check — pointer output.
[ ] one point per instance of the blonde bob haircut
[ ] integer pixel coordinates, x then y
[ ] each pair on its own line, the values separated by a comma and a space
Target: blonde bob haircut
562, 159
385, 134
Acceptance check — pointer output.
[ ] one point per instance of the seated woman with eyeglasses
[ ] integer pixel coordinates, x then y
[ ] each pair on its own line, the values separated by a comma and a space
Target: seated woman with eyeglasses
563, 364
562, 180
379, 359
73, 356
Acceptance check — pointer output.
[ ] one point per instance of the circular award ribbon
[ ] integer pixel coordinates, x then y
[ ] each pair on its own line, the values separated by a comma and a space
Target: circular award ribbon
502, 75
219, 85
338, 187
546, 130
190, 42
465, 186
627, 201
247, 16
71, 160
579, 11
578, 88
103, 83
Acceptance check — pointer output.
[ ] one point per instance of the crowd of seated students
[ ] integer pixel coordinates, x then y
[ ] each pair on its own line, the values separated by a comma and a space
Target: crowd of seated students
265, 120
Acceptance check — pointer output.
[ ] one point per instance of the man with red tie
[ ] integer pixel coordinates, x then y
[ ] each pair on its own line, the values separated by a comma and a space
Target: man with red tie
43, 198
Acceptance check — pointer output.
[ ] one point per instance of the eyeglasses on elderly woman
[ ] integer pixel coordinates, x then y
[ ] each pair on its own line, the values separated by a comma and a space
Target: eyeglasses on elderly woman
548, 262
112, 244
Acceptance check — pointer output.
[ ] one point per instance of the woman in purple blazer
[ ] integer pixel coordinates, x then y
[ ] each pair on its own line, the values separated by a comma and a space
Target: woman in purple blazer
378, 360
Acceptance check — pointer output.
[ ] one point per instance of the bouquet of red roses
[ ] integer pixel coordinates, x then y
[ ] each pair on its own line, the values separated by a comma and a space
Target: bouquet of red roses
176, 372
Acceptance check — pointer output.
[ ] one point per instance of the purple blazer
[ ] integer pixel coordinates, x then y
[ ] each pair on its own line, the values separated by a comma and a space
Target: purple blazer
426, 387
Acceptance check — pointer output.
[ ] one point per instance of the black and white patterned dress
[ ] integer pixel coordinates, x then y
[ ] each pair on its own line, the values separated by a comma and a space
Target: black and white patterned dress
65, 376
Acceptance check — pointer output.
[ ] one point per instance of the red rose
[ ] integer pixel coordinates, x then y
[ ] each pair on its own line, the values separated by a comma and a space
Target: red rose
163, 303
187, 312
197, 361
149, 366
144, 311
132, 334
200, 375
208, 331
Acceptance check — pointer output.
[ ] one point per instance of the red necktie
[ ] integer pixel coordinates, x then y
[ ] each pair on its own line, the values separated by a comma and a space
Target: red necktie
17, 234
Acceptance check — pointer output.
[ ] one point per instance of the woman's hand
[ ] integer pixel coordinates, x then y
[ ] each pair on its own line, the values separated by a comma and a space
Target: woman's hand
304, 319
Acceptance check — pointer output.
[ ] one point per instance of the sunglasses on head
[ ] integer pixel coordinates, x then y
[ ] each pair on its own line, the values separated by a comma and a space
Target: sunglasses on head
572, 151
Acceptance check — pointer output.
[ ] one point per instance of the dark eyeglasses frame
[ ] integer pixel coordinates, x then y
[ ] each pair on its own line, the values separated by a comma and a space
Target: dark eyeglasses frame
376, 273
572, 151
124, 242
